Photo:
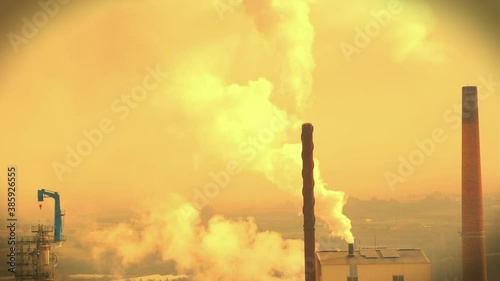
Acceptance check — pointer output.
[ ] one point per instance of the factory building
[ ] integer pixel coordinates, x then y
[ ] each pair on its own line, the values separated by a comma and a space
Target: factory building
372, 264
403, 264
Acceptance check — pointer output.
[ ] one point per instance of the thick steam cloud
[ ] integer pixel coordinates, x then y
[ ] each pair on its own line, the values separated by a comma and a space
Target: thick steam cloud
220, 250
284, 169
235, 120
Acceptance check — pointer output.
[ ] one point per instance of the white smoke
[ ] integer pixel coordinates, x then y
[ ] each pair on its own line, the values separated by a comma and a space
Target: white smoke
223, 116
284, 169
220, 250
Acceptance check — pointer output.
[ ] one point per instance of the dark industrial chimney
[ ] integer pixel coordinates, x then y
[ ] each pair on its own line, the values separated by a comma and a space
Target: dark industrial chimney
473, 248
351, 249
308, 207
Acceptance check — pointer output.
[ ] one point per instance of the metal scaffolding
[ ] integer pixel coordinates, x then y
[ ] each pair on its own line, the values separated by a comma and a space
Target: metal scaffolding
35, 257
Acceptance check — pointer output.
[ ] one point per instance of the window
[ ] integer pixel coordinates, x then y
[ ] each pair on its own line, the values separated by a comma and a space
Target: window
398, 278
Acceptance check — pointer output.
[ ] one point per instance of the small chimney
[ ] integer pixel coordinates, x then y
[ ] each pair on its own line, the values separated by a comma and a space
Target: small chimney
351, 249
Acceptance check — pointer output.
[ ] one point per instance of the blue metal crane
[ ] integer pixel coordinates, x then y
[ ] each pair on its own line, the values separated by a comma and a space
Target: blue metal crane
42, 193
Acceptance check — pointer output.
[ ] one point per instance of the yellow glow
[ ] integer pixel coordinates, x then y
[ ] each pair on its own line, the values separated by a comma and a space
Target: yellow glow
218, 123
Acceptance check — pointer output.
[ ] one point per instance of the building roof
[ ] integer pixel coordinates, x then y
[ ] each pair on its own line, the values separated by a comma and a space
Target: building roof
373, 256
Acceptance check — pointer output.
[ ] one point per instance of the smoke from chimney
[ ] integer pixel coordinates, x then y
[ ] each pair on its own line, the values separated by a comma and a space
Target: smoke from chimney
473, 246
308, 195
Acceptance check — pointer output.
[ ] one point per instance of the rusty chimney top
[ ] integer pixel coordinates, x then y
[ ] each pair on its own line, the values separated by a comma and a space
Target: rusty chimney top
308, 196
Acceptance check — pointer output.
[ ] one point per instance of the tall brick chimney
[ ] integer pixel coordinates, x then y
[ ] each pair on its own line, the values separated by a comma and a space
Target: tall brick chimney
473, 246
308, 207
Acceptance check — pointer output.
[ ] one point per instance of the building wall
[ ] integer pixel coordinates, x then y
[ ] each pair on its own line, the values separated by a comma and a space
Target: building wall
376, 272
333, 273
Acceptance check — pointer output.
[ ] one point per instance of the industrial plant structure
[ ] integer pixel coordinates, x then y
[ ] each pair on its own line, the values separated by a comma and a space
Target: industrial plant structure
352, 265
473, 246
309, 201
403, 264
58, 214
378, 263
35, 255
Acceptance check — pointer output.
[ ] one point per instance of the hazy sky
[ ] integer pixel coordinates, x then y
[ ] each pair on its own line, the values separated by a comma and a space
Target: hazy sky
223, 92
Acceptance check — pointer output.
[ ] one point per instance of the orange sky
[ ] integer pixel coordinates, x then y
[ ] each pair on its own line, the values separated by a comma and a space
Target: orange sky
227, 79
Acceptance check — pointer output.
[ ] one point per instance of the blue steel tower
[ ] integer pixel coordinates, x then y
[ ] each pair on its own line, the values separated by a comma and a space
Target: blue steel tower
42, 193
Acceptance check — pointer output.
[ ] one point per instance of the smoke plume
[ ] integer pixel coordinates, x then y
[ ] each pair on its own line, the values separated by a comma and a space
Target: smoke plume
220, 250
284, 170
238, 120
